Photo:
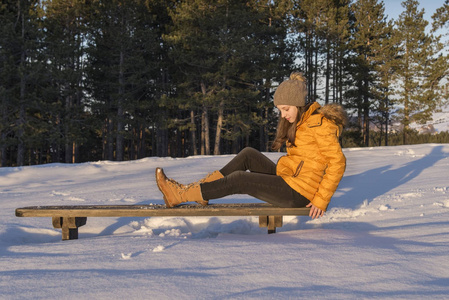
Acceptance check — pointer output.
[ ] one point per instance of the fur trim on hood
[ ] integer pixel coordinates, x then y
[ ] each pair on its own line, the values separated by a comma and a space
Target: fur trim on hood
335, 113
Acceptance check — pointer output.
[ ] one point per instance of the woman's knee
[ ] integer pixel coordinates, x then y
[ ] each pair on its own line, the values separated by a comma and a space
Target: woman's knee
237, 180
237, 175
248, 151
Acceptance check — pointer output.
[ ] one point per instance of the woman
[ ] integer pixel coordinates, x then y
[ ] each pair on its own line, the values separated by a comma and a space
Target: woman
306, 177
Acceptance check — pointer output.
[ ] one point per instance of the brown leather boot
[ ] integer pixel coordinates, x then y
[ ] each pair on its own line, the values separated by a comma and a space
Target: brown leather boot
215, 175
174, 193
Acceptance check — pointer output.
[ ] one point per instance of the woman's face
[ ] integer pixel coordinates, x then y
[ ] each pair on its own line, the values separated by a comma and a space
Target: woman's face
288, 112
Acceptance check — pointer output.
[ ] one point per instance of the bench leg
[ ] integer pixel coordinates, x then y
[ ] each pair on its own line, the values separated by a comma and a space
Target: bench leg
69, 226
271, 222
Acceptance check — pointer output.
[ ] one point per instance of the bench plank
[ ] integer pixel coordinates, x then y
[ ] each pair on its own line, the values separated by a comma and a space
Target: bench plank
253, 209
69, 218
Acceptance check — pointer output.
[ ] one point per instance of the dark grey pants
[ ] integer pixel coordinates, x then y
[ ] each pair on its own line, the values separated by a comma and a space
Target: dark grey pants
260, 182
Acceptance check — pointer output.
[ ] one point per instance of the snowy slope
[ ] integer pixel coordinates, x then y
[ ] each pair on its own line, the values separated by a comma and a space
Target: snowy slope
439, 122
386, 235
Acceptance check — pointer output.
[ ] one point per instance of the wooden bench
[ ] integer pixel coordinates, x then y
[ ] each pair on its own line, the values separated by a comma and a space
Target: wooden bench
69, 218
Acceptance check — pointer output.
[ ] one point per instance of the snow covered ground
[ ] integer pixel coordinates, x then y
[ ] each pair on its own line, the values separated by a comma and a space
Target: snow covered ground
386, 235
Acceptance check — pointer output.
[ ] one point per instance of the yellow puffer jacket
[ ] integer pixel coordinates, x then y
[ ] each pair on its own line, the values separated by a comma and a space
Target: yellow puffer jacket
315, 166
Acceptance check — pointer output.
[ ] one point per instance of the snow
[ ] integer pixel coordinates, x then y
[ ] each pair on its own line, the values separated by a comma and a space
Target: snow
438, 124
385, 235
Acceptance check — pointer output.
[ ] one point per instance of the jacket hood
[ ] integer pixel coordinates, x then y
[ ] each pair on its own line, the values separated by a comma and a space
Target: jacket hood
335, 113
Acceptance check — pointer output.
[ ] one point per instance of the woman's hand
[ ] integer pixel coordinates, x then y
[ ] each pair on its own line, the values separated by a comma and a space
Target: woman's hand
315, 212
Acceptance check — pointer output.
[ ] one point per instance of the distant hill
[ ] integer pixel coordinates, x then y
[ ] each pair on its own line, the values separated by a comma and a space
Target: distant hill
439, 123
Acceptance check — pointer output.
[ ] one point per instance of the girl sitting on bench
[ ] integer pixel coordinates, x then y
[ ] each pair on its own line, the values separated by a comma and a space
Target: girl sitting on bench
307, 176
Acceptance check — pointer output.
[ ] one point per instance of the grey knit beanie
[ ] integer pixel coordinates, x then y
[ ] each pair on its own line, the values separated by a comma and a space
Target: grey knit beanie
291, 92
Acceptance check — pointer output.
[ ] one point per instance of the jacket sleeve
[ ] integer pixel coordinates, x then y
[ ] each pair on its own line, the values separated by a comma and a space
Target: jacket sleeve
329, 147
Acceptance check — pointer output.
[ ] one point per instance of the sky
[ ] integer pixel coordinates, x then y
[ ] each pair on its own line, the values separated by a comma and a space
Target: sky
393, 8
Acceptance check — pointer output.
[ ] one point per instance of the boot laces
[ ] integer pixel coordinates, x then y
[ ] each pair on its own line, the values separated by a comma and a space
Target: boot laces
173, 182
180, 188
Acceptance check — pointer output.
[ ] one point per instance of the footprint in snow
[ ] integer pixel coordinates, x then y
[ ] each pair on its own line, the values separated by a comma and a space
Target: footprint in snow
55, 193
159, 248
385, 207
128, 200
442, 204
126, 256
76, 199
441, 189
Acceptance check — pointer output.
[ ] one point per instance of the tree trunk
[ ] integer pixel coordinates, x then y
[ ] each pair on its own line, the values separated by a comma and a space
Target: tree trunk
327, 83
406, 120
3, 160
110, 139
406, 124
2, 150
205, 143
142, 138
21, 117
154, 143
263, 146
67, 141
315, 70
366, 117
193, 133
219, 128
162, 137
120, 126
387, 116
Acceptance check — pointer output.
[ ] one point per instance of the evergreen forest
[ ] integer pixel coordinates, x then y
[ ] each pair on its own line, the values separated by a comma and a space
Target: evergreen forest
88, 80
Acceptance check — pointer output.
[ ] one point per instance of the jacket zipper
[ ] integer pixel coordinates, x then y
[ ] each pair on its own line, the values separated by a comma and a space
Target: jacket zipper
298, 169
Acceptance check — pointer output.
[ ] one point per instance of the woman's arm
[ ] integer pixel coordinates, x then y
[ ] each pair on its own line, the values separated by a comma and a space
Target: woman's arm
330, 150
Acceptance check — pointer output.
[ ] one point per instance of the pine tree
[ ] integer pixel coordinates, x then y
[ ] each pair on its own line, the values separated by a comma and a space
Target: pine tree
225, 51
109, 44
416, 67
322, 31
311, 18
370, 40
337, 39
65, 40
384, 89
8, 73
19, 50
126, 75
441, 21
441, 17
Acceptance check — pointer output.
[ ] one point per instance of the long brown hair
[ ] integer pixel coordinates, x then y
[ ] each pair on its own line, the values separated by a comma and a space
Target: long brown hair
286, 131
